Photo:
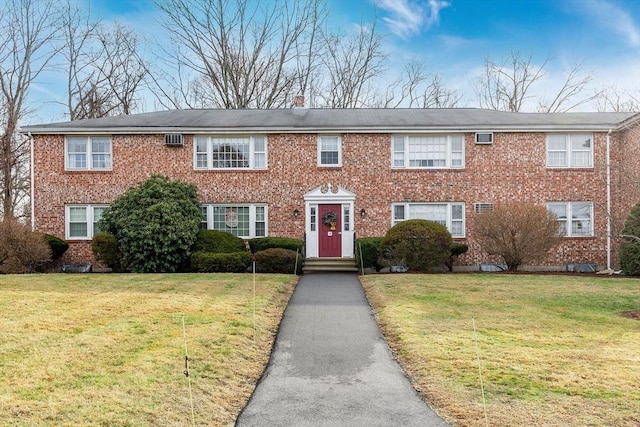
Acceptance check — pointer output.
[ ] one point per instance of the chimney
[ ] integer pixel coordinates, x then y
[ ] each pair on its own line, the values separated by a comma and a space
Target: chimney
298, 101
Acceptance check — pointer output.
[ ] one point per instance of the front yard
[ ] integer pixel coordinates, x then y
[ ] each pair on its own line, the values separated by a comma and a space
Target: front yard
109, 349
554, 350
97, 350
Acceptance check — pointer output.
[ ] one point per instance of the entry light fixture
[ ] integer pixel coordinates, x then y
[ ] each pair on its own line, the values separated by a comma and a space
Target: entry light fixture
296, 212
363, 213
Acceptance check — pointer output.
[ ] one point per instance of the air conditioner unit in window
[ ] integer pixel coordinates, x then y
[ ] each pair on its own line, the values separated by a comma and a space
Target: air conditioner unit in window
481, 208
173, 139
484, 138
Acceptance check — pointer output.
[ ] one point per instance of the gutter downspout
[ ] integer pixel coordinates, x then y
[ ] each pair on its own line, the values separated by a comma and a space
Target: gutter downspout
609, 200
32, 183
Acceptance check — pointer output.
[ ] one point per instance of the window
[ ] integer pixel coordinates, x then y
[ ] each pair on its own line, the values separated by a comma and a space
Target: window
246, 221
312, 219
569, 150
575, 218
81, 221
451, 215
230, 152
88, 153
346, 218
329, 151
430, 152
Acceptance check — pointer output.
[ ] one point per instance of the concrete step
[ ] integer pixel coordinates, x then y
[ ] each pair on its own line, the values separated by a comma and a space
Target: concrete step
329, 264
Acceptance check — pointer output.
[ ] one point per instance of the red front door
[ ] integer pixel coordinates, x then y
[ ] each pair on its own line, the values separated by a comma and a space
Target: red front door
330, 231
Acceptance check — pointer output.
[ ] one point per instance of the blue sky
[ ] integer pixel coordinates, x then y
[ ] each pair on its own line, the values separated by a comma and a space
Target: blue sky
453, 37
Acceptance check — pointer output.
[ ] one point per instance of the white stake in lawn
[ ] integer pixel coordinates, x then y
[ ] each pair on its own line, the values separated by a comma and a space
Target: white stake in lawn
186, 372
254, 298
484, 403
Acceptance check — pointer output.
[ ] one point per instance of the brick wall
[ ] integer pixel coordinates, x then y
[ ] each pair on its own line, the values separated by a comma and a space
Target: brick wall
512, 169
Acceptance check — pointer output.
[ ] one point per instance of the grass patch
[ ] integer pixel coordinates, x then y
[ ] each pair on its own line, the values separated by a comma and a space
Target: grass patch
94, 350
555, 350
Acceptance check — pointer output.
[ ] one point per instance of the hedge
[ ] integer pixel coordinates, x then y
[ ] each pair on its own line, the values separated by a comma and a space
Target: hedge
278, 260
368, 253
263, 243
218, 242
209, 262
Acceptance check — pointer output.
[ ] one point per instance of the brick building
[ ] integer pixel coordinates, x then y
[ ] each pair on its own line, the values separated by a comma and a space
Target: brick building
288, 172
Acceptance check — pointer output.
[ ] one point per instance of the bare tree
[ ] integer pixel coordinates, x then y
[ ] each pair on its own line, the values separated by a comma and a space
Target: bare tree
123, 69
571, 94
612, 99
352, 64
508, 85
79, 58
105, 70
416, 88
505, 86
243, 53
28, 28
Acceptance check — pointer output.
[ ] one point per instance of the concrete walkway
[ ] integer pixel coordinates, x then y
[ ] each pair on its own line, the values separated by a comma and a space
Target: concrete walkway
331, 366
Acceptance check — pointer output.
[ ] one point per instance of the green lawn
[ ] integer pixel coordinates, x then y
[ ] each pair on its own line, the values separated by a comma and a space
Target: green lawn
554, 350
108, 349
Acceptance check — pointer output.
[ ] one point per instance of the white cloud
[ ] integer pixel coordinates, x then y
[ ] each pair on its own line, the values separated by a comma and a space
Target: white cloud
408, 17
610, 15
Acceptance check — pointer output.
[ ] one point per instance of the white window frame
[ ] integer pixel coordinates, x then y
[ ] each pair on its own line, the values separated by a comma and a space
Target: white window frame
567, 221
568, 150
88, 152
401, 157
253, 209
258, 156
449, 214
90, 220
321, 140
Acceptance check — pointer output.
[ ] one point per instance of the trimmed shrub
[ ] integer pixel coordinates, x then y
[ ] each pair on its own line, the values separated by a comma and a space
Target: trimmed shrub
630, 248
155, 224
457, 249
57, 245
418, 244
215, 241
106, 251
278, 260
631, 229
263, 243
209, 262
630, 258
21, 250
367, 250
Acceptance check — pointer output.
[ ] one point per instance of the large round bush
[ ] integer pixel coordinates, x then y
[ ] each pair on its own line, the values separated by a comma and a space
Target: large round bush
418, 244
155, 224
